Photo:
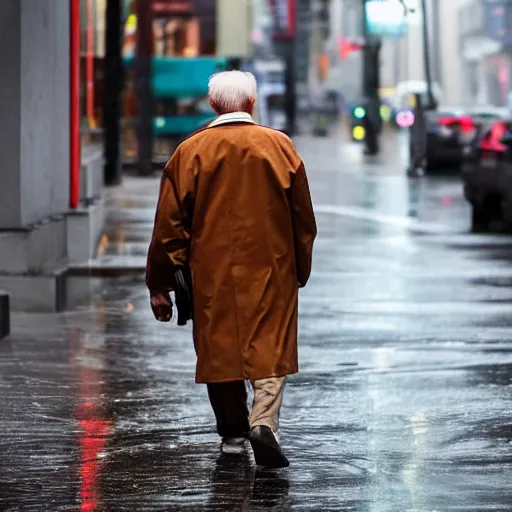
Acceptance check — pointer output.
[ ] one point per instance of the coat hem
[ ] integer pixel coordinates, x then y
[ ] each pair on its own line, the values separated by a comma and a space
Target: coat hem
236, 379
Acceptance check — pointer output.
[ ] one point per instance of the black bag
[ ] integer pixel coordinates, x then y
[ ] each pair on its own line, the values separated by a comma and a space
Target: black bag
184, 298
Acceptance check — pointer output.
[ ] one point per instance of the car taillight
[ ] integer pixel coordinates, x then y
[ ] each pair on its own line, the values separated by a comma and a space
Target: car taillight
492, 140
498, 131
467, 127
447, 121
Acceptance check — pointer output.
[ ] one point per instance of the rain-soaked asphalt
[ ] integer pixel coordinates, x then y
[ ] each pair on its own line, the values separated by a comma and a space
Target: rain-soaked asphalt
403, 402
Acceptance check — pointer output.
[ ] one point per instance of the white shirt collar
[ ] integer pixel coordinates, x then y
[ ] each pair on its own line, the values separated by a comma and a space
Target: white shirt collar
232, 117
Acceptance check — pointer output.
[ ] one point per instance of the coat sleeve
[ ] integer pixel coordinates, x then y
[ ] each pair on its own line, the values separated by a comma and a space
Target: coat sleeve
304, 224
169, 245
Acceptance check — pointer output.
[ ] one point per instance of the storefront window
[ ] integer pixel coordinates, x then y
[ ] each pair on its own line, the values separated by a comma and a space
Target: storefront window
187, 31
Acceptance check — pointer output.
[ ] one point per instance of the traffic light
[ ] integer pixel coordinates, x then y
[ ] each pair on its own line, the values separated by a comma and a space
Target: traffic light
358, 123
346, 46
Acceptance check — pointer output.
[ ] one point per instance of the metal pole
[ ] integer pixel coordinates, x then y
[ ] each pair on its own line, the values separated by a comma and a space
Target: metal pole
291, 94
74, 104
426, 58
143, 87
371, 85
234, 63
113, 88
90, 65
398, 54
435, 40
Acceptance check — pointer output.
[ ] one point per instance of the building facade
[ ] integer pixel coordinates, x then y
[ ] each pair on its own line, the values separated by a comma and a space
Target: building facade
41, 232
398, 59
402, 58
485, 43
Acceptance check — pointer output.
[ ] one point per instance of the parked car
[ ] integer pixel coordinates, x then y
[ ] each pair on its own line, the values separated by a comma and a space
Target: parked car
487, 176
450, 130
446, 130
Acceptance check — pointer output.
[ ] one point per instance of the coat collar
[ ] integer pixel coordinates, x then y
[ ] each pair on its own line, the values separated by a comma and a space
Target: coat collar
232, 117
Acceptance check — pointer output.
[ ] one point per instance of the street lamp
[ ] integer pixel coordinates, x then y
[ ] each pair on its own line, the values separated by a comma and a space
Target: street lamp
432, 103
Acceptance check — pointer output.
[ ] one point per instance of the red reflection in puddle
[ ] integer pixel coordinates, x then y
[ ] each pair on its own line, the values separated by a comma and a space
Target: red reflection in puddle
92, 443
94, 429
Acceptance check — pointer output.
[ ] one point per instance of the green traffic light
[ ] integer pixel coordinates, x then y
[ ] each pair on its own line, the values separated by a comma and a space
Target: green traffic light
359, 112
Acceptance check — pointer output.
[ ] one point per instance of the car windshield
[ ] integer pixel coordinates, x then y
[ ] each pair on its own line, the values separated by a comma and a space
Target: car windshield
446, 114
434, 117
486, 115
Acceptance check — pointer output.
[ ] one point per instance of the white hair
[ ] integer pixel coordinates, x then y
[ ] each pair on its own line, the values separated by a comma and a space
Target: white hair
231, 91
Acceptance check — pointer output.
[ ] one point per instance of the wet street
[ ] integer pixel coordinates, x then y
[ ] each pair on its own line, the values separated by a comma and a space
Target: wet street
404, 398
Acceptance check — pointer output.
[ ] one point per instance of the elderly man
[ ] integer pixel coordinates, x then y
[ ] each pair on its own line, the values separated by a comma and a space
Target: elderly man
235, 208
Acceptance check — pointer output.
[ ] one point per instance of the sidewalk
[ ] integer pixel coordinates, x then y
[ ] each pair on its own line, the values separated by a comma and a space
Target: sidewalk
402, 401
128, 228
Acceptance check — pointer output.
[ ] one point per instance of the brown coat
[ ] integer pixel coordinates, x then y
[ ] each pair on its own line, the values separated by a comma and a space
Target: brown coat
234, 202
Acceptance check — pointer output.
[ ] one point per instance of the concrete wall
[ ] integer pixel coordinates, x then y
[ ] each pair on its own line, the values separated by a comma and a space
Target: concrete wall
234, 26
412, 48
451, 58
10, 115
38, 236
34, 118
45, 108
345, 75
389, 63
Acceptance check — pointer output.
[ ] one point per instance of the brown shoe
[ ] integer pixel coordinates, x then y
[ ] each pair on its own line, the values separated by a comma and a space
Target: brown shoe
265, 446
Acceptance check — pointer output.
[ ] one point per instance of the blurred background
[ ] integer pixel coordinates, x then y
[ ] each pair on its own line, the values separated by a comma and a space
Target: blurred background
412, 87
369, 64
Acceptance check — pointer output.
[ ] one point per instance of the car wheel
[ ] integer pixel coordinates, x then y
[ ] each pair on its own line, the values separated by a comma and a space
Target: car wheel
506, 207
480, 222
469, 194
431, 164
493, 211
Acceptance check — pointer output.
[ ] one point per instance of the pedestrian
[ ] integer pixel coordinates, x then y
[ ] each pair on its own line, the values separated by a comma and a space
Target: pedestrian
418, 141
234, 207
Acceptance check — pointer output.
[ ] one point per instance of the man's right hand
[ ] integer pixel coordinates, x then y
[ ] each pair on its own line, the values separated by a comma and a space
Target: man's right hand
161, 304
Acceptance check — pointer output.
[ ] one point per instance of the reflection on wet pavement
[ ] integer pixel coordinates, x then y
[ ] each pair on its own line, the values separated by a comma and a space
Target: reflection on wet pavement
403, 403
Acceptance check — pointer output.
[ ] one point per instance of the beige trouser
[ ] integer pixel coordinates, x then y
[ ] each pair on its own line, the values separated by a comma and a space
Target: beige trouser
229, 403
268, 398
